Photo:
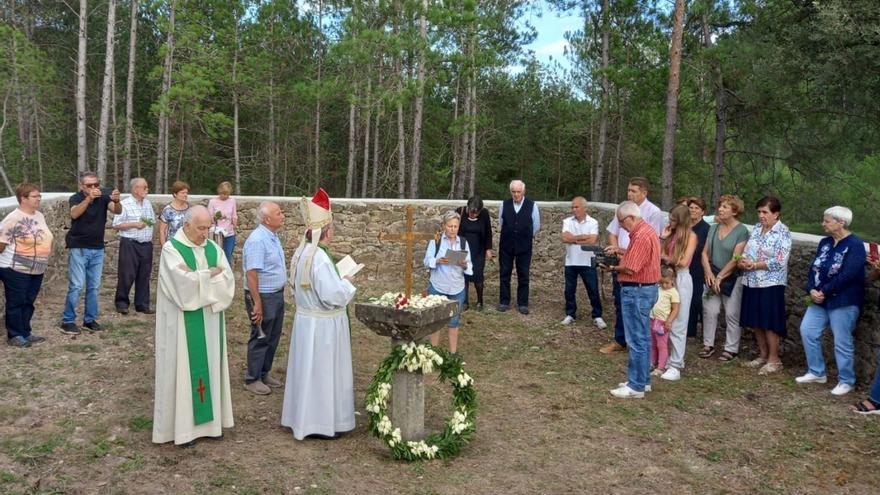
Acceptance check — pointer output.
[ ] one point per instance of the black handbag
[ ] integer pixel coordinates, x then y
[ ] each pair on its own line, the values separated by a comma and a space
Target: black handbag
728, 283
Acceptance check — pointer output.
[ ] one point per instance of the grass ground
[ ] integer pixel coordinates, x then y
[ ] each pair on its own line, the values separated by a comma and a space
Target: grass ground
75, 417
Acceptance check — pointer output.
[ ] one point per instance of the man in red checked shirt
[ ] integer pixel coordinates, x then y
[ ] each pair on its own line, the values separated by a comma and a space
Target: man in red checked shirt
638, 274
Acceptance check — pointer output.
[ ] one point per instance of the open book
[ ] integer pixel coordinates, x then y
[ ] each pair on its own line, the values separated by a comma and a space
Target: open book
347, 266
455, 257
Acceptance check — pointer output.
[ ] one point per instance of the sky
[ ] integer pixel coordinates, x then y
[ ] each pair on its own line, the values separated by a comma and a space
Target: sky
549, 46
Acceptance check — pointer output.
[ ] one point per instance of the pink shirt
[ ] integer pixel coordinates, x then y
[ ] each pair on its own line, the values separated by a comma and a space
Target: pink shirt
227, 210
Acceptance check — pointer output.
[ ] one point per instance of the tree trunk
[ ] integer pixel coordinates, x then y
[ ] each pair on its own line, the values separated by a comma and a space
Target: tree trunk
106, 92
379, 113
81, 149
465, 142
456, 142
113, 130
352, 149
318, 100
23, 127
273, 147
129, 95
720, 132
401, 148
162, 141
236, 107
367, 122
617, 156
2, 159
417, 111
672, 105
36, 110
472, 166
599, 177
720, 111
401, 129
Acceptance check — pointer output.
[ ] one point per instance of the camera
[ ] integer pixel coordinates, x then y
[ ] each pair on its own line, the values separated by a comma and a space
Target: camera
601, 257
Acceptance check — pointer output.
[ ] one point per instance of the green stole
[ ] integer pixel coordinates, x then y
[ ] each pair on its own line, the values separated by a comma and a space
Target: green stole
197, 348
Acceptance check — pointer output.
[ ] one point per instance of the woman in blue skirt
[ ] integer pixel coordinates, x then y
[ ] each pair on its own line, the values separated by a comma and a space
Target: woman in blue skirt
765, 267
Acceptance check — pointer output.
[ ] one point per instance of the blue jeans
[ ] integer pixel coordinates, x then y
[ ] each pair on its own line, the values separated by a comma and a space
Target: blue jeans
84, 268
21, 291
619, 332
229, 247
591, 281
636, 303
455, 321
843, 323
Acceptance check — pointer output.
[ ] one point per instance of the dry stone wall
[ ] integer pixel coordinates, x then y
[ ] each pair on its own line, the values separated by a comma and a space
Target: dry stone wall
359, 222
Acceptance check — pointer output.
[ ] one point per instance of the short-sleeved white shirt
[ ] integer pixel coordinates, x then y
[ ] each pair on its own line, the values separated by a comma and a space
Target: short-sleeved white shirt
574, 256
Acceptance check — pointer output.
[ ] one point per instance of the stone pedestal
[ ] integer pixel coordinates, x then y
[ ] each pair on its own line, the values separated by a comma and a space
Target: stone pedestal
404, 326
408, 405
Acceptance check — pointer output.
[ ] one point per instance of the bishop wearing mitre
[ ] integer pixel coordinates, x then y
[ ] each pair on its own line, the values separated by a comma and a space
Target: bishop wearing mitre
196, 285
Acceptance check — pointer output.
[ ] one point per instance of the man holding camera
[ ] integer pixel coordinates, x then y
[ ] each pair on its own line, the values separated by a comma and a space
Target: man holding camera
85, 242
636, 191
578, 230
637, 274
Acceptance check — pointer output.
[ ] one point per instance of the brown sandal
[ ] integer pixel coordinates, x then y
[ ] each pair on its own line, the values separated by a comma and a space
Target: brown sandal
862, 407
707, 351
727, 356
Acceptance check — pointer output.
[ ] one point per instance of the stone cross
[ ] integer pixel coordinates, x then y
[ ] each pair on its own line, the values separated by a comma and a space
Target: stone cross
409, 237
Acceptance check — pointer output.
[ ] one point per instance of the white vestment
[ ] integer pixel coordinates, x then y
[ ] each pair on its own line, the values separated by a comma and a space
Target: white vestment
180, 291
319, 393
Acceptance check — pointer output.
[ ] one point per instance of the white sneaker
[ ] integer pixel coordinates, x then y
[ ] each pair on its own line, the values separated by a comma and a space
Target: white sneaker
624, 384
600, 323
568, 320
811, 378
625, 392
671, 374
842, 389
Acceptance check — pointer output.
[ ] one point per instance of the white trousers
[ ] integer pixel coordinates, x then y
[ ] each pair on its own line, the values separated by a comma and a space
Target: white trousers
678, 335
711, 311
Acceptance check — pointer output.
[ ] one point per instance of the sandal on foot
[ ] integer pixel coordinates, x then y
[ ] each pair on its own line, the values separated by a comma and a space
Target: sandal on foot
727, 356
862, 407
770, 368
707, 351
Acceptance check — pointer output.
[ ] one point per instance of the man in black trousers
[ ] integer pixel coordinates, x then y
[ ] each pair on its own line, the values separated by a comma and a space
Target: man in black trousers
135, 228
519, 220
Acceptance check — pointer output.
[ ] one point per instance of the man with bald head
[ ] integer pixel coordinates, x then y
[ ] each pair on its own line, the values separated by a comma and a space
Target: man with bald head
193, 396
577, 230
135, 228
265, 273
519, 220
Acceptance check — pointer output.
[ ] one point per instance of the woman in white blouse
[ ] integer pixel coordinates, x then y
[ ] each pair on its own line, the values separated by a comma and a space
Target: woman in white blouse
447, 279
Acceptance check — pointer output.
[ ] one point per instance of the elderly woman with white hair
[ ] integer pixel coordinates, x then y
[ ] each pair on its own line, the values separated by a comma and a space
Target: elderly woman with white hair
447, 278
836, 283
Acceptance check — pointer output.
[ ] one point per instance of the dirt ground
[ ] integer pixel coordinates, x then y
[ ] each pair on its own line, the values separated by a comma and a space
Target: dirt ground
75, 417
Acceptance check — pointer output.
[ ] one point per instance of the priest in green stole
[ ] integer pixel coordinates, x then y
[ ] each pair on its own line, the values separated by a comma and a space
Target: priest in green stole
193, 397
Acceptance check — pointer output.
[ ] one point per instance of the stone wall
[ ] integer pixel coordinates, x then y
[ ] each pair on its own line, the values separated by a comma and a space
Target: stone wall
359, 222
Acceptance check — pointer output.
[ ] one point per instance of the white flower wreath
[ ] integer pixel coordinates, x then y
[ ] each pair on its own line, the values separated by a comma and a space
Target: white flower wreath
458, 428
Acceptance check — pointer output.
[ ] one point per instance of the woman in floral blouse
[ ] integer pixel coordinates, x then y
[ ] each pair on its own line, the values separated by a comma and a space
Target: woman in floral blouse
836, 283
25, 247
765, 264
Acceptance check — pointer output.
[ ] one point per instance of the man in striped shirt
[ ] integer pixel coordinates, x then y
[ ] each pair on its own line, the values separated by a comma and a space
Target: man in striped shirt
638, 274
135, 228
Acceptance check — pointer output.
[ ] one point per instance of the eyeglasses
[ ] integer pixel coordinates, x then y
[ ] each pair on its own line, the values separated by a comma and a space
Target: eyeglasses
91, 185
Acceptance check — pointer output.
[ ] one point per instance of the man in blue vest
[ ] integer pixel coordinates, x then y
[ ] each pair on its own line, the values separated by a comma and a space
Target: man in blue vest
519, 221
